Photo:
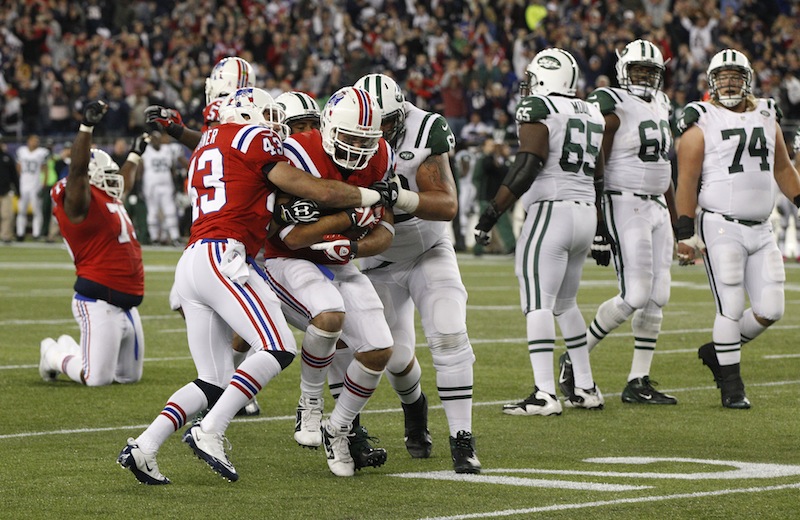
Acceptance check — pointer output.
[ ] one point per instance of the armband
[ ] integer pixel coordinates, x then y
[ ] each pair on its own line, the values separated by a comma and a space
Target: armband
369, 197
134, 158
684, 228
84, 128
407, 200
523, 172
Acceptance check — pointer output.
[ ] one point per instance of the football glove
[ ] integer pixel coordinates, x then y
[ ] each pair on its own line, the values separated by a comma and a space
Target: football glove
367, 217
388, 191
162, 119
486, 222
140, 144
297, 211
603, 245
94, 112
337, 247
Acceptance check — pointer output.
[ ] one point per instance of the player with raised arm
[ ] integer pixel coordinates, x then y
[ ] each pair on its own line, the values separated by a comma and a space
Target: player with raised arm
308, 266
420, 271
557, 175
233, 177
638, 188
108, 262
733, 148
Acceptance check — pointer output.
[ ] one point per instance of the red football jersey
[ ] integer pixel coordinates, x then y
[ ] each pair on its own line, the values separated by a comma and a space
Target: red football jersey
103, 246
228, 187
211, 114
305, 151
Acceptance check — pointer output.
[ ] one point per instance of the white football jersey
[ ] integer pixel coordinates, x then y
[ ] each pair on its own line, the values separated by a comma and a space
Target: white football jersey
576, 137
639, 158
426, 134
30, 166
739, 159
158, 164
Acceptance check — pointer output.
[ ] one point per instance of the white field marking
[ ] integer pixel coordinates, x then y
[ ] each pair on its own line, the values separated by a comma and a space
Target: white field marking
515, 481
153, 317
367, 412
600, 503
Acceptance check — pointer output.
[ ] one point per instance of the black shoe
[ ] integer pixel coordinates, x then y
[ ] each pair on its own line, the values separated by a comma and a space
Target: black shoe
708, 354
640, 390
462, 449
363, 453
566, 377
732, 388
417, 436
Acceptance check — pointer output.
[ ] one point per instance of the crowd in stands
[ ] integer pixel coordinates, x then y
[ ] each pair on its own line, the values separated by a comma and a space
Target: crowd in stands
458, 57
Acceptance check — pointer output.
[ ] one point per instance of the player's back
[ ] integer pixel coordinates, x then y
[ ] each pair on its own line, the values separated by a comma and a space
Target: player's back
228, 184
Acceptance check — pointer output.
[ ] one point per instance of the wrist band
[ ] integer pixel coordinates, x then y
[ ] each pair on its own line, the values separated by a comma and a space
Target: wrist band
135, 158
369, 197
87, 129
407, 200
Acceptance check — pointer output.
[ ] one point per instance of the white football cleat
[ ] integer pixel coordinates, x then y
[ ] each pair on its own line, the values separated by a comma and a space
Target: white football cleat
209, 448
143, 465
307, 425
337, 449
538, 403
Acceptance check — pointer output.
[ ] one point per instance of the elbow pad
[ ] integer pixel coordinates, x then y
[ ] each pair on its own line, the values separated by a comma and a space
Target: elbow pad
522, 173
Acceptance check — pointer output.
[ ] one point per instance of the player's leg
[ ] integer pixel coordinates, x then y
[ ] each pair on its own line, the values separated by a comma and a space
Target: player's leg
27, 198
170, 214
130, 362
151, 197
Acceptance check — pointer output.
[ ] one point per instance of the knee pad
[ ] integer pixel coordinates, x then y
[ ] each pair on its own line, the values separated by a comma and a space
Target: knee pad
770, 304
648, 322
400, 359
212, 392
728, 264
638, 288
284, 359
451, 351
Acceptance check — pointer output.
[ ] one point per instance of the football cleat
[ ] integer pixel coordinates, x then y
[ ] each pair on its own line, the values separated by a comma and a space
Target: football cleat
538, 403
591, 399
46, 369
361, 449
250, 409
143, 465
462, 449
307, 431
418, 439
640, 390
337, 449
566, 377
708, 354
732, 388
209, 448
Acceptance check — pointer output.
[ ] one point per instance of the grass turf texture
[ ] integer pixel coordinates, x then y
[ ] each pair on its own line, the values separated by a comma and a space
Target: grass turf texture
59, 441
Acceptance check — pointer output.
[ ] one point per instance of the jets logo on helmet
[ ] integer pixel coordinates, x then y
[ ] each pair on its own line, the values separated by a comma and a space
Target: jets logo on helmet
551, 71
351, 128
228, 75
640, 68
104, 174
730, 90
391, 102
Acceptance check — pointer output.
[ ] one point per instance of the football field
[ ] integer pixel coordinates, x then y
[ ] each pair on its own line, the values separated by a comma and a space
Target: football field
59, 441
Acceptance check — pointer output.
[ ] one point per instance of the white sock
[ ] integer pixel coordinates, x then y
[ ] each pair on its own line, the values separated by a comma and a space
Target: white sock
541, 341
359, 384
181, 408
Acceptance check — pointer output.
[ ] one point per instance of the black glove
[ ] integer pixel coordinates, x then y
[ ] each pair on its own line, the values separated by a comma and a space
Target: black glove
94, 112
603, 245
297, 211
388, 191
486, 222
139, 144
162, 119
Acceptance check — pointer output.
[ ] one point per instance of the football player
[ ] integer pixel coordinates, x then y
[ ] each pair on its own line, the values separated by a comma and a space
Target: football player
302, 111
728, 144
557, 175
420, 270
234, 173
308, 266
108, 262
159, 163
638, 173
31, 166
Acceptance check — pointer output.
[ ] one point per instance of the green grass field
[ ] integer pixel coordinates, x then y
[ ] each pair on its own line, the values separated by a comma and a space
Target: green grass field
59, 441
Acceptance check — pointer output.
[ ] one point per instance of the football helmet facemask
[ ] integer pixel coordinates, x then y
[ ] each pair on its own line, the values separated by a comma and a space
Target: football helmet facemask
228, 75
640, 68
253, 106
729, 59
104, 173
299, 107
391, 101
351, 127
551, 71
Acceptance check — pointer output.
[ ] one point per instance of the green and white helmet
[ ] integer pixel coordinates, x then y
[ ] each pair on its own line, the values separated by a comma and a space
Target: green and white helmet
729, 59
551, 71
298, 105
391, 101
644, 54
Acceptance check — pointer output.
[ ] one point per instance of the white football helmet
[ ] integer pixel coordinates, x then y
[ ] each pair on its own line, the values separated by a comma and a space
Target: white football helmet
551, 71
351, 127
104, 173
729, 59
298, 106
229, 74
643, 54
391, 101
253, 106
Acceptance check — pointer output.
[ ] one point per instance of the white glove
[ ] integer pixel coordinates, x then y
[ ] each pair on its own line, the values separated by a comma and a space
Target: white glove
338, 248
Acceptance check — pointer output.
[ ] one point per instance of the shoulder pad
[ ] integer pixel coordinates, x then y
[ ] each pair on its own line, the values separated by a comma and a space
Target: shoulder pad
605, 99
440, 139
533, 108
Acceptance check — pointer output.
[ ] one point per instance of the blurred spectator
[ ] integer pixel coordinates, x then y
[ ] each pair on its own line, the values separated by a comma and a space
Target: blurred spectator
475, 132
9, 184
490, 170
12, 114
